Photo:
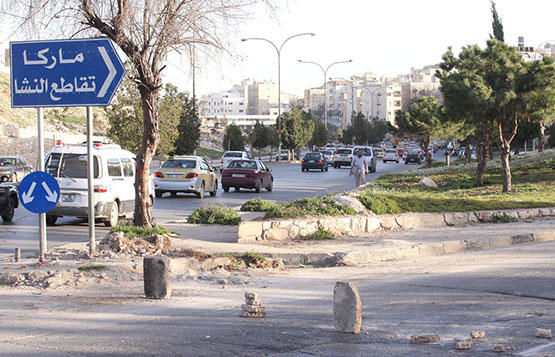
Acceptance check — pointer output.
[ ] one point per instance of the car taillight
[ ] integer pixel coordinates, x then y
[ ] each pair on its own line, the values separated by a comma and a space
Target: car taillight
221, 161
302, 160
191, 175
320, 161
159, 174
100, 188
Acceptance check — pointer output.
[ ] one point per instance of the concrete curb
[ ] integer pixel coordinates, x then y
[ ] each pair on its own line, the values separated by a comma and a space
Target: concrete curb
382, 254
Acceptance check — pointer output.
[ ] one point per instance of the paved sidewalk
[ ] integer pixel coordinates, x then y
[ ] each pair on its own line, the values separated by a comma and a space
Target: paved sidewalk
372, 247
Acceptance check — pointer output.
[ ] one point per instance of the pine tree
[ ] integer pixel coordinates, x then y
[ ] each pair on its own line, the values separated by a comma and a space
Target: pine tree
497, 25
188, 129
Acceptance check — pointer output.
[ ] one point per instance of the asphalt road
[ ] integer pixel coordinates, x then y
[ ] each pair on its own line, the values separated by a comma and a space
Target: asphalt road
289, 184
506, 293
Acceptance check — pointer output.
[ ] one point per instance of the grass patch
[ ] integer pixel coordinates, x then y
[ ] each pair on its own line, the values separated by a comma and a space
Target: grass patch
316, 206
532, 177
209, 153
215, 215
130, 231
257, 205
320, 234
93, 268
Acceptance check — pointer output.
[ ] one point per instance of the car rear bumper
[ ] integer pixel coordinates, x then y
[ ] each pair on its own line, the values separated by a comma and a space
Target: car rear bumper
102, 210
314, 166
190, 185
247, 182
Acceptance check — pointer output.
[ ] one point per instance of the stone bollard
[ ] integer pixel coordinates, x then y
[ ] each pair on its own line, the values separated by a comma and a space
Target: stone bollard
17, 255
156, 272
347, 308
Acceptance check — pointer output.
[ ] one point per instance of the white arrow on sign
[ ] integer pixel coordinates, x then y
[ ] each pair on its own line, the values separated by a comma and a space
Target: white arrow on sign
26, 196
111, 69
50, 196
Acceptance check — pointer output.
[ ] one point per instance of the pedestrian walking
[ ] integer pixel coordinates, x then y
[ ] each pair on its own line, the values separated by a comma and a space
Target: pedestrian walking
359, 168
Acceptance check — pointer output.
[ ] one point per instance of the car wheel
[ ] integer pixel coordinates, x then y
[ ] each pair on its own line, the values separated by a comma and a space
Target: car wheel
326, 169
51, 220
173, 194
270, 187
225, 188
114, 216
158, 193
397, 161
215, 191
258, 187
200, 194
9, 210
322, 169
406, 162
237, 188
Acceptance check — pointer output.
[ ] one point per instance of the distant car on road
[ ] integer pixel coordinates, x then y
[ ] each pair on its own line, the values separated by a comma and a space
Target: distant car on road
413, 156
13, 168
230, 156
343, 157
251, 174
314, 161
188, 174
391, 155
8, 201
283, 155
328, 154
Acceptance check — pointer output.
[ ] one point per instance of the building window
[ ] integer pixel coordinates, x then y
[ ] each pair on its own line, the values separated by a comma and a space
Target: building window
240, 110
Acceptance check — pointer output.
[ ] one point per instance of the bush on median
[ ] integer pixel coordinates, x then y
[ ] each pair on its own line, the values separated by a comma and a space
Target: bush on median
317, 206
257, 205
131, 231
215, 215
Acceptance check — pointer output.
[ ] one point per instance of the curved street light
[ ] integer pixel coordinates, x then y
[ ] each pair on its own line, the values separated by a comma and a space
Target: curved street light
278, 50
325, 71
376, 91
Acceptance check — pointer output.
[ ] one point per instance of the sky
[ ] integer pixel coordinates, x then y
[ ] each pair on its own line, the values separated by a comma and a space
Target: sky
386, 37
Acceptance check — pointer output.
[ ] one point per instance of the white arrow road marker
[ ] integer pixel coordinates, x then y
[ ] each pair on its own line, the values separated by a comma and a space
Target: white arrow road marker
26, 196
50, 196
111, 75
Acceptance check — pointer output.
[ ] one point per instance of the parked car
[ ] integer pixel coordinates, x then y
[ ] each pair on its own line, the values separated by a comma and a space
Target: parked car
314, 161
283, 155
379, 152
13, 168
328, 154
343, 157
368, 153
391, 155
229, 156
8, 201
413, 156
252, 174
187, 174
113, 180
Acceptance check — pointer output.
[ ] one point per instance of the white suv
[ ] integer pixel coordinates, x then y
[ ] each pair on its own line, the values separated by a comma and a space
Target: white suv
229, 156
113, 180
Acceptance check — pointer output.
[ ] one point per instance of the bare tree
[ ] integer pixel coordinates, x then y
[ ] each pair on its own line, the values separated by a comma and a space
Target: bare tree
146, 31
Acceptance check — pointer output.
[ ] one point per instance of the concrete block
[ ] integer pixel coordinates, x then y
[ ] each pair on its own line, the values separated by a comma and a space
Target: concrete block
498, 348
433, 249
477, 335
276, 234
184, 264
249, 231
473, 217
157, 277
389, 222
528, 213
545, 211
372, 224
477, 244
358, 224
347, 307
425, 338
453, 246
463, 345
430, 220
456, 218
544, 236
408, 221
543, 333
500, 242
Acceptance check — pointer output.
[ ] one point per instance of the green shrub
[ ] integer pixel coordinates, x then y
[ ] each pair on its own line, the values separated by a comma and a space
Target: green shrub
130, 231
503, 218
320, 234
316, 206
257, 205
93, 267
379, 203
215, 215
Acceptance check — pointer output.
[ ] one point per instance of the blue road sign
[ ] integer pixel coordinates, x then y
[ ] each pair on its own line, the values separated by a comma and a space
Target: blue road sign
39, 192
64, 73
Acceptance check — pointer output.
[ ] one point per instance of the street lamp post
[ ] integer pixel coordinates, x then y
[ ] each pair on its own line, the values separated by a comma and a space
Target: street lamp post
325, 71
278, 50
372, 92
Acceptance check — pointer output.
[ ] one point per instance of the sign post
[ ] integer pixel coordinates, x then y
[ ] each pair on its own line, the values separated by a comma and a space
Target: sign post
65, 73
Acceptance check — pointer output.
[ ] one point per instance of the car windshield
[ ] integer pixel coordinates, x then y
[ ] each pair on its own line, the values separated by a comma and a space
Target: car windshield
7, 161
239, 164
391, 151
233, 154
70, 165
179, 164
326, 152
344, 151
312, 156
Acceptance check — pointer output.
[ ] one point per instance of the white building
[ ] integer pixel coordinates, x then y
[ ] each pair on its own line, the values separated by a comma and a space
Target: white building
223, 103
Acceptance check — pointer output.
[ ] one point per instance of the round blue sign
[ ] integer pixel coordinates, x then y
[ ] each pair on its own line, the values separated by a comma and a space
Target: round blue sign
39, 192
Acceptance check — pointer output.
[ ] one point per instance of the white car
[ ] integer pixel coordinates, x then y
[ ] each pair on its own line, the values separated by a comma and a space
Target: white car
390, 155
229, 156
113, 180
343, 157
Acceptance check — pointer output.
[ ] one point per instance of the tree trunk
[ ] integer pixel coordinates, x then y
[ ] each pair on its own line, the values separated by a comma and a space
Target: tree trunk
505, 146
483, 149
429, 153
541, 138
151, 137
448, 157
467, 154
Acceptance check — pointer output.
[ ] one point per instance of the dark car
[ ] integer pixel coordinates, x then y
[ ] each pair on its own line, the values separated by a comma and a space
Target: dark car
314, 161
252, 174
413, 156
8, 201
13, 168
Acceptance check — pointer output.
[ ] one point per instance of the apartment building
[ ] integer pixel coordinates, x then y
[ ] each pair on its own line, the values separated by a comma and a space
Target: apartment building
223, 103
